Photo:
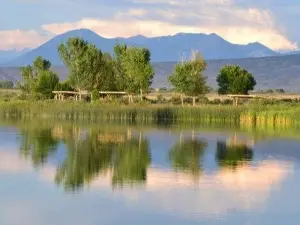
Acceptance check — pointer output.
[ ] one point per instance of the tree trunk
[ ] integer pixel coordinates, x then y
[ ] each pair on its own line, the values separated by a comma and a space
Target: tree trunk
194, 101
130, 99
141, 93
181, 97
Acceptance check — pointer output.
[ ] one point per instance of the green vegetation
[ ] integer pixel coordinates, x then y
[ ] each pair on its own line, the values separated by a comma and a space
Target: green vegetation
187, 78
38, 79
282, 115
235, 80
129, 70
6, 84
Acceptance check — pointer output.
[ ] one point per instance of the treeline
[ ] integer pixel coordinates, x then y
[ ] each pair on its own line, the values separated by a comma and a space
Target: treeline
6, 84
129, 69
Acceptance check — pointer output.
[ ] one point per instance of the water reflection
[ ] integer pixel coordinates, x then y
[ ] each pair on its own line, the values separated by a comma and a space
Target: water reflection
186, 155
124, 157
37, 144
89, 153
152, 173
233, 155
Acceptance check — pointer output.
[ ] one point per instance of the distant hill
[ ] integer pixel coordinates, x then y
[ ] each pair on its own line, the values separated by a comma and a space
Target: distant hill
163, 49
10, 54
270, 72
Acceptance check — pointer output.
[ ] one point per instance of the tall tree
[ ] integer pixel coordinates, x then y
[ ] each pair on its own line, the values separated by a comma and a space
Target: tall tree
38, 79
235, 80
187, 77
74, 55
89, 69
135, 72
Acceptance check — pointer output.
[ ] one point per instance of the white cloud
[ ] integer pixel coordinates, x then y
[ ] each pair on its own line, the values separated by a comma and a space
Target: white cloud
20, 39
234, 23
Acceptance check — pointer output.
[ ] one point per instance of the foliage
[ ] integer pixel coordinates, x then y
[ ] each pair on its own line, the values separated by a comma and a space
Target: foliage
133, 68
235, 80
187, 77
6, 84
83, 61
38, 79
64, 86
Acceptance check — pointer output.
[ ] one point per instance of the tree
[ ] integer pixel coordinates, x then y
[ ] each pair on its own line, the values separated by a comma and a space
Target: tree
187, 77
89, 69
235, 80
134, 70
6, 84
38, 79
45, 83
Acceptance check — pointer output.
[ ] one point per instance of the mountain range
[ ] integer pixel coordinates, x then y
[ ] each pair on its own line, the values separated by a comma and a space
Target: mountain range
163, 49
270, 69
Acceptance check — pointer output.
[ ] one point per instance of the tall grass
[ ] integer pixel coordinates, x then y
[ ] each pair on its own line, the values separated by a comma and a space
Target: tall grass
248, 115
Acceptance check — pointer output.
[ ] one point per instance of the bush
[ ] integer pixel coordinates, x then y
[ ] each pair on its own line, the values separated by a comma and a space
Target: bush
176, 100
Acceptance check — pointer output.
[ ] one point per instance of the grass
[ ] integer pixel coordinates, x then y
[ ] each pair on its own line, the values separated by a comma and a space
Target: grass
280, 115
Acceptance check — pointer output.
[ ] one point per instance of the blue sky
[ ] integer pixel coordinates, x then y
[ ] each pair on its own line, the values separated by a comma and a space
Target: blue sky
29, 23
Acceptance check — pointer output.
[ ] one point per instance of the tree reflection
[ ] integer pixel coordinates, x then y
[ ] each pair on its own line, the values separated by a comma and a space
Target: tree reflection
126, 158
131, 162
234, 155
186, 156
38, 144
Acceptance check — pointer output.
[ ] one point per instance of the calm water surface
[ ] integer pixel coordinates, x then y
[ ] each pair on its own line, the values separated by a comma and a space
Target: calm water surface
75, 175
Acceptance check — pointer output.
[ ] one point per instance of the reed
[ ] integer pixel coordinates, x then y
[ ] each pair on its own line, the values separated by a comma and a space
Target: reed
248, 115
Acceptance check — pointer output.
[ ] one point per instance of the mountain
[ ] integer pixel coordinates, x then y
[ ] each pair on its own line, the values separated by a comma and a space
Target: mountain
11, 54
269, 72
163, 49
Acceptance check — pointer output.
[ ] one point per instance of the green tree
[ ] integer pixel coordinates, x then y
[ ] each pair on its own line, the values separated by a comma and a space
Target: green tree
6, 84
45, 83
89, 69
38, 79
235, 80
187, 77
133, 68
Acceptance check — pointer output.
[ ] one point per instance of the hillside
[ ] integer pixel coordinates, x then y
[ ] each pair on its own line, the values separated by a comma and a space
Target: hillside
163, 49
270, 72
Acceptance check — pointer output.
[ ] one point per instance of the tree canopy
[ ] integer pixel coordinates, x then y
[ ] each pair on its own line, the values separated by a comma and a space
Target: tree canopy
235, 80
84, 62
133, 68
187, 77
38, 79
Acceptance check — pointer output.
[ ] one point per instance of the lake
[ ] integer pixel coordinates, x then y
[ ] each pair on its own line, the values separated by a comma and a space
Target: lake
68, 173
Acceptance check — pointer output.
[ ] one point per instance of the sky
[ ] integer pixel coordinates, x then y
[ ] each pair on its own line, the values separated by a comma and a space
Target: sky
30, 23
